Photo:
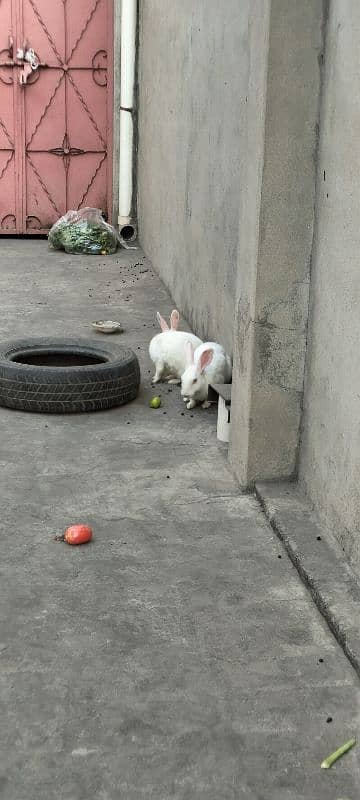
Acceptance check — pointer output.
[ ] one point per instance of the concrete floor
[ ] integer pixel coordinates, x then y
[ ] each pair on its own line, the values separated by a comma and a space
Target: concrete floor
178, 655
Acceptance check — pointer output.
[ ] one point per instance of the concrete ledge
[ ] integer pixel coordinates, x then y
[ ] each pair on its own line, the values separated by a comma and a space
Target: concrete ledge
222, 390
319, 561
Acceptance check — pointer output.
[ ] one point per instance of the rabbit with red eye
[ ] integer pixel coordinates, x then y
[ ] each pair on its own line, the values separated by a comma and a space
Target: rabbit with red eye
167, 349
208, 364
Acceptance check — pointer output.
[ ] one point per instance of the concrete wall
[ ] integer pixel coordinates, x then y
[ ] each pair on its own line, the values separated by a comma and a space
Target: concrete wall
330, 453
276, 220
248, 246
228, 128
193, 69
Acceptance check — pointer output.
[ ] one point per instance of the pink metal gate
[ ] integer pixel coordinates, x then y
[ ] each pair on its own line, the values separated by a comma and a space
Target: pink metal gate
55, 118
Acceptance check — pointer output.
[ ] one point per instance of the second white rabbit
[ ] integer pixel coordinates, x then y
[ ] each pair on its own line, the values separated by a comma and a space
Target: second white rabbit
207, 364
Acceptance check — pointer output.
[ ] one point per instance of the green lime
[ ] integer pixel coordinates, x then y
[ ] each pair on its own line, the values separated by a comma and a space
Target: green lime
155, 402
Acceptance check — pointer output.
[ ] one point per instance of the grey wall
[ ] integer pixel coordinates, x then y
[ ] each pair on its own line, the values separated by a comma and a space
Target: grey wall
330, 454
193, 72
228, 127
276, 225
241, 447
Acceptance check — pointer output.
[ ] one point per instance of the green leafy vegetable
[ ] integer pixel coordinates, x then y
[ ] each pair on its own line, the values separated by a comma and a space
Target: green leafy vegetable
83, 232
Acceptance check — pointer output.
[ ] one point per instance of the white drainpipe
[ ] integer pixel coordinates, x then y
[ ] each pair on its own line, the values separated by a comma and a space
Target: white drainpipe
127, 226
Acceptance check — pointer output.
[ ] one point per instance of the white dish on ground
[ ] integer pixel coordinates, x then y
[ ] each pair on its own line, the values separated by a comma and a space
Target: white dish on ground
107, 326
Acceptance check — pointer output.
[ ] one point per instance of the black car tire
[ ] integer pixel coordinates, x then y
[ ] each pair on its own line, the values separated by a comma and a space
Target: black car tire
61, 376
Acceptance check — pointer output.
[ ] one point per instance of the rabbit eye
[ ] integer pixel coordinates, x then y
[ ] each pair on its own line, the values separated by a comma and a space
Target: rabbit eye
195, 380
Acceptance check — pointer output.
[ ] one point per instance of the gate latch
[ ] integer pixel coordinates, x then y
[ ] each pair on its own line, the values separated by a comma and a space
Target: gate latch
31, 63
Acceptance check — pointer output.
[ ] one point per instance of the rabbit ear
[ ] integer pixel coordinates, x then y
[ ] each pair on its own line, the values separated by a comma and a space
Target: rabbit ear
163, 324
189, 353
205, 359
174, 319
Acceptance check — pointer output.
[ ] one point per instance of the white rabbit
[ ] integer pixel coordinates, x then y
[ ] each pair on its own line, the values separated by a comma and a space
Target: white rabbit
208, 364
167, 349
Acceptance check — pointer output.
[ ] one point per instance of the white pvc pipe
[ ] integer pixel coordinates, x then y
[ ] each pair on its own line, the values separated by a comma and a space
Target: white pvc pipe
127, 78
125, 177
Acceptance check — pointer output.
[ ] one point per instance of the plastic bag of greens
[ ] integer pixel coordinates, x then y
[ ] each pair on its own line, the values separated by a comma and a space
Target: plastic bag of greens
83, 231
